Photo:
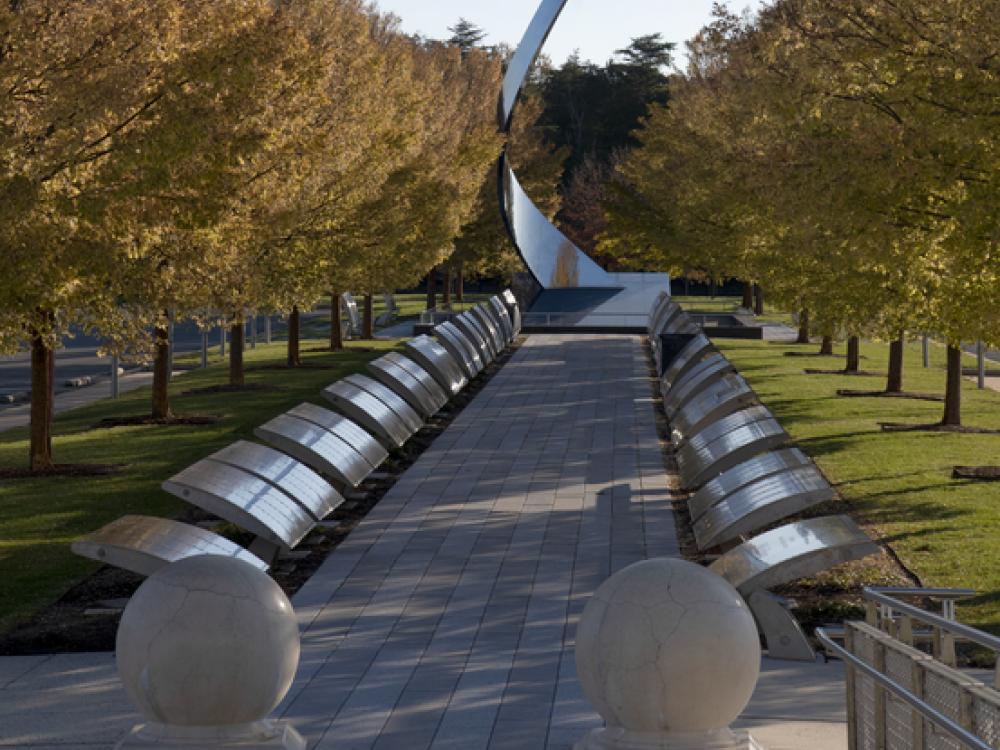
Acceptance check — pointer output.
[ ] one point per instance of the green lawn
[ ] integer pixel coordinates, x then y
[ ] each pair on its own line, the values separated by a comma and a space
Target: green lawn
730, 305
40, 517
946, 531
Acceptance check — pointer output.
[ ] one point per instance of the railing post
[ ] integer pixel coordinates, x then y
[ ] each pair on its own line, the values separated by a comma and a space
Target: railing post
267, 330
115, 389
926, 342
917, 720
850, 683
981, 364
904, 631
878, 657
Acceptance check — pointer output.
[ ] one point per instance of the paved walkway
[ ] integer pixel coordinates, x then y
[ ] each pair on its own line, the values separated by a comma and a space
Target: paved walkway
446, 619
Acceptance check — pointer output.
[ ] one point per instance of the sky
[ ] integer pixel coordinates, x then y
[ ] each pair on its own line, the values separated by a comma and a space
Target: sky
596, 27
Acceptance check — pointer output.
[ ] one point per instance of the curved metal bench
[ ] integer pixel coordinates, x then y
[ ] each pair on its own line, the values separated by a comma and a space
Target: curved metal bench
710, 370
358, 439
762, 503
295, 479
460, 348
472, 330
714, 430
245, 500
438, 395
783, 555
144, 544
402, 382
739, 476
697, 467
374, 415
437, 361
317, 448
696, 350
510, 302
403, 410
492, 327
723, 397
664, 309
503, 316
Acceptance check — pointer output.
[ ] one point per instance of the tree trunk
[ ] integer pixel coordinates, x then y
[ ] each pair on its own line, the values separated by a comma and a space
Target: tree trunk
803, 328
294, 357
446, 289
368, 321
826, 347
432, 289
460, 286
894, 384
758, 300
237, 338
161, 373
953, 389
853, 354
336, 323
42, 402
747, 303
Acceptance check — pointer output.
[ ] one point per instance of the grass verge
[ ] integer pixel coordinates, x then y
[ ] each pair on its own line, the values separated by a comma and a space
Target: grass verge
39, 518
944, 530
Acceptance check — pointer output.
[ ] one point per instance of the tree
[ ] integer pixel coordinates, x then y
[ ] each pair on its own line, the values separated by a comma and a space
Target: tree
466, 35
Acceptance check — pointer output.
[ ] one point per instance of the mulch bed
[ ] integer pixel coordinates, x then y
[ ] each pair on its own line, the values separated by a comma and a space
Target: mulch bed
981, 473
937, 427
62, 470
812, 353
86, 617
227, 388
143, 420
886, 394
857, 374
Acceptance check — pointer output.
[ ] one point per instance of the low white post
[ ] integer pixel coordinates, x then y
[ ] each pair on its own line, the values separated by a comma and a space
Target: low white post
267, 330
981, 364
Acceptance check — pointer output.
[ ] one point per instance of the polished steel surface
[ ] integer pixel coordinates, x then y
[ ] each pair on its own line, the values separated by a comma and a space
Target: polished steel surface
439, 362
660, 305
353, 316
355, 436
316, 447
510, 302
476, 335
663, 317
374, 415
739, 476
404, 385
294, 478
681, 323
721, 398
762, 503
486, 316
714, 430
460, 348
438, 395
524, 57
144, 544
406, 413
710, 370
793, 551
502, 315
782, 633
697, 467
696, 350
550, 256
243, 499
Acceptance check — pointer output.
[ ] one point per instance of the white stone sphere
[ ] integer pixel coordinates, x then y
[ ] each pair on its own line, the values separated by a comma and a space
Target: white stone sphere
208, 641
667, 646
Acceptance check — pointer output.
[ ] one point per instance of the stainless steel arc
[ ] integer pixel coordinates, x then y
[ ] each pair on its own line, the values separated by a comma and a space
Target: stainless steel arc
399, 407
697, 467
439, 362
476, 335
438, 395
404, 385
360, 406
460, 348
357, 439
316, 447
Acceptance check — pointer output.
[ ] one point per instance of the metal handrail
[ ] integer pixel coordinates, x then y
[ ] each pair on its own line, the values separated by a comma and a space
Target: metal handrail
951, 626
930, 713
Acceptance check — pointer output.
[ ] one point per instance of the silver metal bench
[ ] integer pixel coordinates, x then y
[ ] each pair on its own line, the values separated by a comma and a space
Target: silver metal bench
697, 467
696, 350
687, 387
503, 316
438, 395
245, 500
510, 302
762, 503
360, 406
144, 544
471, 329
664, 308
460, 348
739, 476
492, 327
730, 393
295, 479
409, 416
783, 555
436, 360
357, 438
316, 447
405, 385
713, 430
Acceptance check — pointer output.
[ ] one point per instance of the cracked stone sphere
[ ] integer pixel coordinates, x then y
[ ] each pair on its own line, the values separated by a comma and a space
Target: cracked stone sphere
667, 646
208, 641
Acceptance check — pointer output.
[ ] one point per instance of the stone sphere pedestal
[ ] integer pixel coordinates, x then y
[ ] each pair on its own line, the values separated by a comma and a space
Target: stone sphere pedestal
668, 653
207, 648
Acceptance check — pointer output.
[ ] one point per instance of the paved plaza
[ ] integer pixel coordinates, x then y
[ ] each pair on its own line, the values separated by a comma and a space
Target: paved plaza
446, 619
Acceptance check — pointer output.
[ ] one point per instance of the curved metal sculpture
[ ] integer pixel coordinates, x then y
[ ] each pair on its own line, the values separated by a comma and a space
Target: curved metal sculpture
551, 257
